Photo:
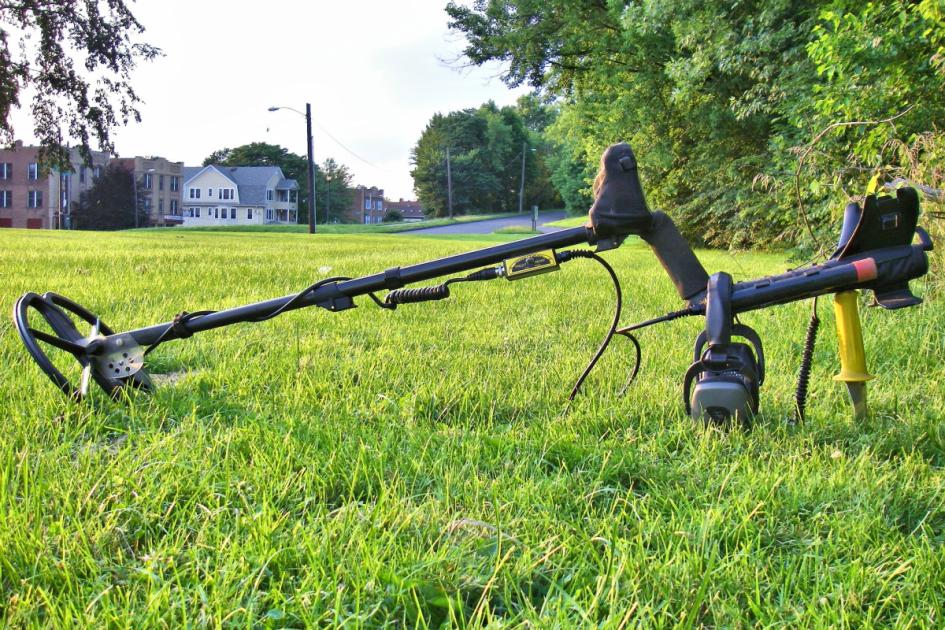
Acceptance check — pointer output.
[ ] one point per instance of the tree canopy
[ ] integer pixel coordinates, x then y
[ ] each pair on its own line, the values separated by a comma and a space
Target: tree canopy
333, 191
110, 203
485, 145
718, 99
76, 58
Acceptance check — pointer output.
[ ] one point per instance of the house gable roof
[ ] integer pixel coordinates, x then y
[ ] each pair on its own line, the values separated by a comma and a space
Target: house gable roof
192, 172
251, 181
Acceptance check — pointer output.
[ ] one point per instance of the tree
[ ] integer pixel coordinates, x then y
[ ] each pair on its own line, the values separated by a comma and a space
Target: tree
717, 97
393, 215
110, 203
486, 147
333, 191
76, 57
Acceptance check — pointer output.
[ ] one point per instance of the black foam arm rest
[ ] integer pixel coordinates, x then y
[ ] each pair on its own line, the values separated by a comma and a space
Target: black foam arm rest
677, 258
619, 208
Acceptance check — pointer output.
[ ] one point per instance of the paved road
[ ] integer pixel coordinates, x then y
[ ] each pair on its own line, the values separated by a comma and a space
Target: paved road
490, 226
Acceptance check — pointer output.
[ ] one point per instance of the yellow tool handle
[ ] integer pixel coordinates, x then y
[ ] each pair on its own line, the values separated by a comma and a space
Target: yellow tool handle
850, 338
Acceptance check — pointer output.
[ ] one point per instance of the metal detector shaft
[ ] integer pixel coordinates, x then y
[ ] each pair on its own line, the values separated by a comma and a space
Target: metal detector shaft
336, 296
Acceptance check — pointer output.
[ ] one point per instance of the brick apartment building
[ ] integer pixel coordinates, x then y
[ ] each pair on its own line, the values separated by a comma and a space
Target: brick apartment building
159, 187
368, 205
33, 198
410, 210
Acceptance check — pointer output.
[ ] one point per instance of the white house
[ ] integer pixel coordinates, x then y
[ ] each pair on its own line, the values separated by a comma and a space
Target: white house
238, 195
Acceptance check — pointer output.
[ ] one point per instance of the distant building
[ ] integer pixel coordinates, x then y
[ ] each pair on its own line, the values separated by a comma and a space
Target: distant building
367, 206
410, 210
238, 195
32, 198
159, 187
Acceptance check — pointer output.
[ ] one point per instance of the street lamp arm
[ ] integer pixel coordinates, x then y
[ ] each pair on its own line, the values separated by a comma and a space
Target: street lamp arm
291, 109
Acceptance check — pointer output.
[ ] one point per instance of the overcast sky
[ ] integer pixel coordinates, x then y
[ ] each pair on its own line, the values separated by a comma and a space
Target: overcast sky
374, 72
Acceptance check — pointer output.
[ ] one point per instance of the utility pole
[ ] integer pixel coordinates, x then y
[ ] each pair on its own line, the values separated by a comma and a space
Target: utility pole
311, 162
521, 190
311, 171
449, 182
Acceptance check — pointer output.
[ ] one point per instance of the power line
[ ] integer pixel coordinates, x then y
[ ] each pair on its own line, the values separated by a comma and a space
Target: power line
342, 145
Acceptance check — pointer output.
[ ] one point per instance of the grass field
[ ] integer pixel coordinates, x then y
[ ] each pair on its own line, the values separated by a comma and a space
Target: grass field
350, 228
416, 467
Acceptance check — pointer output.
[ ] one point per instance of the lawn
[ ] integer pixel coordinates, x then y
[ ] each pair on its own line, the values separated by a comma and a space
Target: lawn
351, 228
416, 467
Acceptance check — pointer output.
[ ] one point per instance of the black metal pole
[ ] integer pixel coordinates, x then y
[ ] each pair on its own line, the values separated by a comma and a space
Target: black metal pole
311, 170
376, 282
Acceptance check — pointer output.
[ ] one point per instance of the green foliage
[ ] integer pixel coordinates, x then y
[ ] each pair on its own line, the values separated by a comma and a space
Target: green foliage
717, 98
486, 147
109, 204
75, 60
393, 215
333, 191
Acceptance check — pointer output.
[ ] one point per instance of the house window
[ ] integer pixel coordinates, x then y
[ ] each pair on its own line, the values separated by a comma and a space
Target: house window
175, 183
269, 194
379, 204
161, 205
6, 170
81, 174
34, 199
209, 193
367, 203
249, 214
147, 204
268, 214
160, 182
195, 193
173, 206
6, 198
32, 171
97, 172
232, 213
147, 181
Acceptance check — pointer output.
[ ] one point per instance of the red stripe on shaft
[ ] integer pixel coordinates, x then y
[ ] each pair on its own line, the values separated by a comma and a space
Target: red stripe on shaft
865, 270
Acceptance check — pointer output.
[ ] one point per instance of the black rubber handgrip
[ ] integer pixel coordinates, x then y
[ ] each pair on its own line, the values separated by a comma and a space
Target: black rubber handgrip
677, 258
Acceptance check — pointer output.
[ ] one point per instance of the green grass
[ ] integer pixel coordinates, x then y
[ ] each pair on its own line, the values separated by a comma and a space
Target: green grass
348, 228
569, 222
415, 467
520, 230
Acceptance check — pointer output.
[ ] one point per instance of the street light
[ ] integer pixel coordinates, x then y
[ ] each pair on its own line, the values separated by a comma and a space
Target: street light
311, 162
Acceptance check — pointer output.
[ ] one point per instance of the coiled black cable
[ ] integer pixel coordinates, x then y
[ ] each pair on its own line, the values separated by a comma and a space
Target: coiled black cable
418, 294
807, 361
437, 292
